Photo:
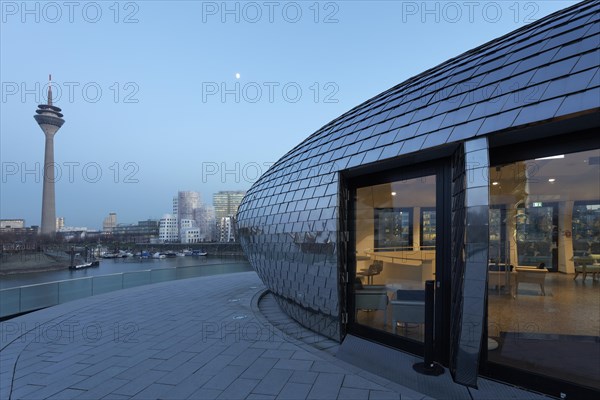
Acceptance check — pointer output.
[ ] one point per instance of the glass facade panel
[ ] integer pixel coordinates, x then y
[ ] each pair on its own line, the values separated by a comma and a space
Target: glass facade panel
10, 299
74, 289
395, 227
107, 283
138, 278
543, 300
39, 296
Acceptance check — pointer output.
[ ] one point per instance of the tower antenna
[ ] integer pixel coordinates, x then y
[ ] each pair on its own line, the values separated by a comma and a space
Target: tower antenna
49, 89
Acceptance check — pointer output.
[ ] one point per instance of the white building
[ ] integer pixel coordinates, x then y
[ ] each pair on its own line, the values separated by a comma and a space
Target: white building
226, 233
187, 223
184, 225
190, 235
12, 223
167, 229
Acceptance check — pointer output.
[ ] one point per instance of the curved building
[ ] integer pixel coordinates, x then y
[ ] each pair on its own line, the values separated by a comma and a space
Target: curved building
480, 174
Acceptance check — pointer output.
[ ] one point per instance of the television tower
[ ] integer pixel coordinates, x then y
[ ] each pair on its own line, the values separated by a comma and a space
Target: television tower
50, 120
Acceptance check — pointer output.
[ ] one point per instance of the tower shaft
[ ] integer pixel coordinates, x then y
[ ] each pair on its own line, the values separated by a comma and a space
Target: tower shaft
48, 195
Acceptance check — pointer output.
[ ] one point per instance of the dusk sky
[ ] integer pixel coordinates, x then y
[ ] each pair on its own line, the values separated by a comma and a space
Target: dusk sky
141, 88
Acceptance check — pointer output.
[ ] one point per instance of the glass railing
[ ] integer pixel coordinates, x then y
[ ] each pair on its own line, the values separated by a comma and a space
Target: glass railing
33, 297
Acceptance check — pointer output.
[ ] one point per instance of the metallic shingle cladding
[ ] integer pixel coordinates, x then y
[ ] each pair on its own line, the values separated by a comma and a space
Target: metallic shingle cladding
288, 219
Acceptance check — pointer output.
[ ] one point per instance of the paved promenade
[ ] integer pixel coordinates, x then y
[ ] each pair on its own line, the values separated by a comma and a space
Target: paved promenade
200, 338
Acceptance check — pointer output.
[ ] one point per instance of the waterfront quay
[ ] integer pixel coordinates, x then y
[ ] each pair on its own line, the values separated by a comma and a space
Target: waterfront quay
31, 257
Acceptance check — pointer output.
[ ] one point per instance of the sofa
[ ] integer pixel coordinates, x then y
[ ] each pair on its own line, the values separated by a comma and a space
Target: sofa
535, 275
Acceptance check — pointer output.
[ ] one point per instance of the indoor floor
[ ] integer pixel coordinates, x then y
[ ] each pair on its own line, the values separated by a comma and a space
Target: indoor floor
556, 334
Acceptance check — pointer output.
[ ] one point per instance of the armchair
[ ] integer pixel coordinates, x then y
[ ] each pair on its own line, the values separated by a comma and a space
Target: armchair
408, 307
372, 300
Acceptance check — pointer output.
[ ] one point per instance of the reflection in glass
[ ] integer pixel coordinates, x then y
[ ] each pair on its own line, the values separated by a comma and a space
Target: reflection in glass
586, 228
543, 299
428, 225
395, 225
536, 239
393, 228
498, 248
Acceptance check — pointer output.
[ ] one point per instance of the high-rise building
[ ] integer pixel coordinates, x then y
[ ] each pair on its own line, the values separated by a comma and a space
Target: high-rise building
184, 204
109, 222
167, 229
49, 118
226, 203
187, 201
205, 219
175, 206
60, 223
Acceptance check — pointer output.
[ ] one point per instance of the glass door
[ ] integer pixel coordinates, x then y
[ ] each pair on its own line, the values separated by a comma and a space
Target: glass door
394, 225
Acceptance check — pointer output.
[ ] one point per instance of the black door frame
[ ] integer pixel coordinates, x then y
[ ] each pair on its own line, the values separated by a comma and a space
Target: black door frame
351, 181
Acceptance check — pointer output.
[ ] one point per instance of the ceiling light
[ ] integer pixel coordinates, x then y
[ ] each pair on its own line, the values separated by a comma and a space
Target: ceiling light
393, 193
551, 180
551, 157
495, 183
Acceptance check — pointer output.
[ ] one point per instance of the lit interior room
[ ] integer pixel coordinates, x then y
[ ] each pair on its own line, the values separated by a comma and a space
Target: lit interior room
544, 261
543, 278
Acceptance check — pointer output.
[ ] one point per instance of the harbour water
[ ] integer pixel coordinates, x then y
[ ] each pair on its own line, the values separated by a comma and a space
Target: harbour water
119, 265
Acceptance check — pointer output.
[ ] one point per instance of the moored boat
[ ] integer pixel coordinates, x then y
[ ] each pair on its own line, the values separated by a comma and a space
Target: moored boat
110, 255
94, 263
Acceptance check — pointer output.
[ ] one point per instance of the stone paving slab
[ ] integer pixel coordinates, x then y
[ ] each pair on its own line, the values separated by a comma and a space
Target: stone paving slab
198, 338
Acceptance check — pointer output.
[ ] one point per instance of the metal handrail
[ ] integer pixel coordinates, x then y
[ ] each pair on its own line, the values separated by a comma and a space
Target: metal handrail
17, 304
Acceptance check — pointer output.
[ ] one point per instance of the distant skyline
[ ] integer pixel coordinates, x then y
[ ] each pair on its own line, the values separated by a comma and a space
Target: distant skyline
153, 104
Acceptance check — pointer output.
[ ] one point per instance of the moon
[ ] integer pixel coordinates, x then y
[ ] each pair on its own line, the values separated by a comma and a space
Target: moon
237, 75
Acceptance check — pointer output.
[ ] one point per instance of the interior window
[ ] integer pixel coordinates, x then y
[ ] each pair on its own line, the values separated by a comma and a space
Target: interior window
395, 229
